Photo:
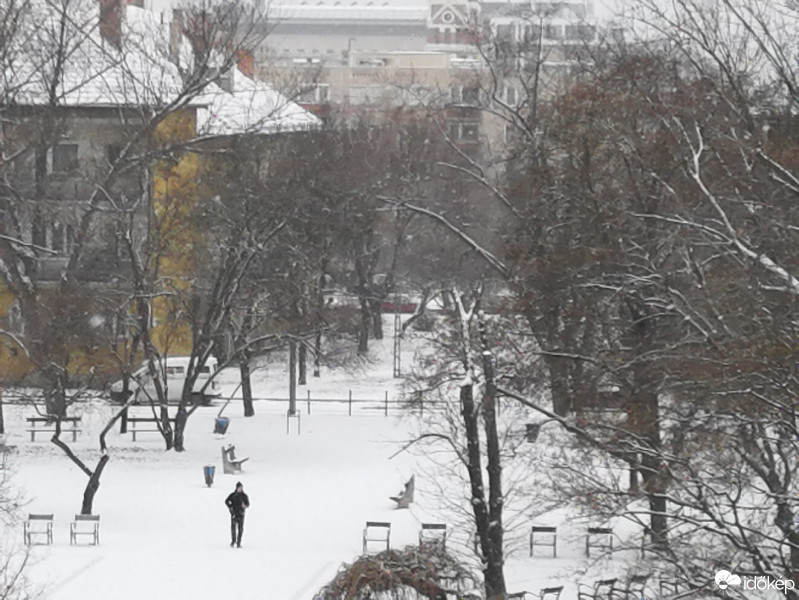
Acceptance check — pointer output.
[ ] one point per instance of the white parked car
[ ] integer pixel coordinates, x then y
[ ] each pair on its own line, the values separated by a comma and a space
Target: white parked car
175, 368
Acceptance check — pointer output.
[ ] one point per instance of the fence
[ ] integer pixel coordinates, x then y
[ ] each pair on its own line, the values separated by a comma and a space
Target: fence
384, 404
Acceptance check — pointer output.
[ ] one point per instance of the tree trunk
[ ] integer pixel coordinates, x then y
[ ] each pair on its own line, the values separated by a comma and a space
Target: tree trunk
376, 307
363, 329
123, 426
633, 462
93, 485
246, 386
292, 377
302, 377
492, 572
56, 399
494, 553
166, 427
317, 355
2, 419
181, 417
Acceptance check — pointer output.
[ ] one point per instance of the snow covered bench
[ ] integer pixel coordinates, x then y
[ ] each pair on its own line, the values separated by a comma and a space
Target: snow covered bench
378, 532
230, 464
602, 589
433, 533
47, 425
634, 587
550, 593
544, 536
85, 525
136, 425
600, 538
404, 498
38, 525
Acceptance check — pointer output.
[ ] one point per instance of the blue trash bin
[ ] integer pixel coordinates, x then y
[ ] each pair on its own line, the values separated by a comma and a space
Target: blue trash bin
221, 425
208, 471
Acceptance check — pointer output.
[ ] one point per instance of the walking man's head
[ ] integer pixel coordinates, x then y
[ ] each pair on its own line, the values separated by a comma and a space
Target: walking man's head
239, 487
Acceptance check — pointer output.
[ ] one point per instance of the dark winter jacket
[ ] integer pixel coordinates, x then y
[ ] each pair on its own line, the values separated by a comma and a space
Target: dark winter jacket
237, 502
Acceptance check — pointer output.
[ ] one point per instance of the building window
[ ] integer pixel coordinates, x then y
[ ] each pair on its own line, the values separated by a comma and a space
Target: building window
459, 131
57, 237
505, 33
511, 95
64, 158
467, 95
38, 231
553, 32
531, 32
470, 132
316, 94
14, 318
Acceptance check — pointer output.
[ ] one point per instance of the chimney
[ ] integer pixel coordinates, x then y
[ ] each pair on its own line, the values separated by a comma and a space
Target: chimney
246, 62
111, 13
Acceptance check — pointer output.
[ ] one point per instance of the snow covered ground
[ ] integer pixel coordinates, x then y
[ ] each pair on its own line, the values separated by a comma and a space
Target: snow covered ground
164, 534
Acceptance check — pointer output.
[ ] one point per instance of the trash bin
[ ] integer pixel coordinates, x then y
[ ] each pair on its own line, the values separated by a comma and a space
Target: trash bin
221, 425
208, 471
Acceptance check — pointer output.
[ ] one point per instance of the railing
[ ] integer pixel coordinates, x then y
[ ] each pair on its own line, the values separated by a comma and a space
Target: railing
349, 399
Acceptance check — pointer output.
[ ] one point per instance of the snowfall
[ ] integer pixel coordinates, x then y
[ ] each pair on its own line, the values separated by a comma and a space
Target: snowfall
312, 481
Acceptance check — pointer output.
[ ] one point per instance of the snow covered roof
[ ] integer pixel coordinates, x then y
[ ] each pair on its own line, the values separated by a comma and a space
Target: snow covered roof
251, 107
357, 12
95, 72
143, 73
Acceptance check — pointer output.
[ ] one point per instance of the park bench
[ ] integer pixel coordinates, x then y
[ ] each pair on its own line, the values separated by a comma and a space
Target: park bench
140, 425
550, 593
544, 536
600, 538
433, 533
85, 525
230, 464
405, 497
602, 589
668, 587
633, 588
378, 532
47, 425
38, 525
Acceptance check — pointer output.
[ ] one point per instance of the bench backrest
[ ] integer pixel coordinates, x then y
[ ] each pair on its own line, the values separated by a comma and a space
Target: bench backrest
434, 526
537, 529
87, 517
32, 517
378, 524
551, 591
605, 584
600, 531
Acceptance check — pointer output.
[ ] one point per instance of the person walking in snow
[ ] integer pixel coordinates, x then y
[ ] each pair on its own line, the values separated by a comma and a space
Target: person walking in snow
237, 503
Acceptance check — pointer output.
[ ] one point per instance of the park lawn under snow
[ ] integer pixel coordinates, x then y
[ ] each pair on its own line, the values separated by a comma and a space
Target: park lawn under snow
164, 534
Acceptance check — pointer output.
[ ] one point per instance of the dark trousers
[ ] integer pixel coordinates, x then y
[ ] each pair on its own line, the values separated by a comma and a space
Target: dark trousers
236, 528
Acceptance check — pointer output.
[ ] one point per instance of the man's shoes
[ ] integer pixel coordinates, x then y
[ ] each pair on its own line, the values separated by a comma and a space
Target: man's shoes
237, 545
231, 544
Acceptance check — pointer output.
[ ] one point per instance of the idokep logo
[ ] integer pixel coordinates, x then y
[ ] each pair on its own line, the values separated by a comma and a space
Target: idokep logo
725, 579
